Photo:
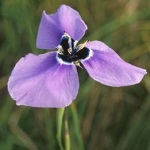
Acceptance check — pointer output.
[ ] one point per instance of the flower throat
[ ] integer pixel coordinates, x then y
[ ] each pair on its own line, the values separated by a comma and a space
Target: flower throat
70, 52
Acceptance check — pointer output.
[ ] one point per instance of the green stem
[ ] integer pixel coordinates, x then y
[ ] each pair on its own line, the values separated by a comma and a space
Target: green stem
60, 114
67, 134
77, 126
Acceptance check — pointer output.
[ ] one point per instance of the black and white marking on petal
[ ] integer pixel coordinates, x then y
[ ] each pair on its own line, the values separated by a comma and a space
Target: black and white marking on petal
71, 53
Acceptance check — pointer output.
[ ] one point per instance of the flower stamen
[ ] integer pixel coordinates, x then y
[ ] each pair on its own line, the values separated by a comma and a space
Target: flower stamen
77, 63
81, 46
70, 52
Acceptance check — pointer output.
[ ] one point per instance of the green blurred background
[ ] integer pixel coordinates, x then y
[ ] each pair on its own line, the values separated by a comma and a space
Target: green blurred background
101, 118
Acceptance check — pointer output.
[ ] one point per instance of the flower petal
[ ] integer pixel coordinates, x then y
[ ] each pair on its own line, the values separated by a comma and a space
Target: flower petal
71, 22
106, 67
53, 26
41, 81
49, 33
100, 46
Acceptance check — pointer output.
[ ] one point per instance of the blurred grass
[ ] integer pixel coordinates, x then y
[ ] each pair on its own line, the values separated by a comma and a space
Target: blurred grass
109, 118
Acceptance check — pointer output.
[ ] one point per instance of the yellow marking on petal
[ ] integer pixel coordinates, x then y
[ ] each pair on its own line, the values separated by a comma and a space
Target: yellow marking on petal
70, 50
60, 50
77, 63
81, 46
67, 35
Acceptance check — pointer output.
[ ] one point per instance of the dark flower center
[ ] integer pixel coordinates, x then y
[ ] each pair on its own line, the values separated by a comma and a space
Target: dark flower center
69, 52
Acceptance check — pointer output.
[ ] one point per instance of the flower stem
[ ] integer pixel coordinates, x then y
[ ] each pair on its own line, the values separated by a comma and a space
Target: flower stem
77, 126
67, 134
60, 114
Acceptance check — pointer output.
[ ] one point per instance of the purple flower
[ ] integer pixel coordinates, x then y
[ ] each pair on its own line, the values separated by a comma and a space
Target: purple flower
51, 79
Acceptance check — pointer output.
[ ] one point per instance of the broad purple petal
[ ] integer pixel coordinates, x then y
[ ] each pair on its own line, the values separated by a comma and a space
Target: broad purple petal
71, 22
41, 81
53, 26
106, 67
49, 33
100, 46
